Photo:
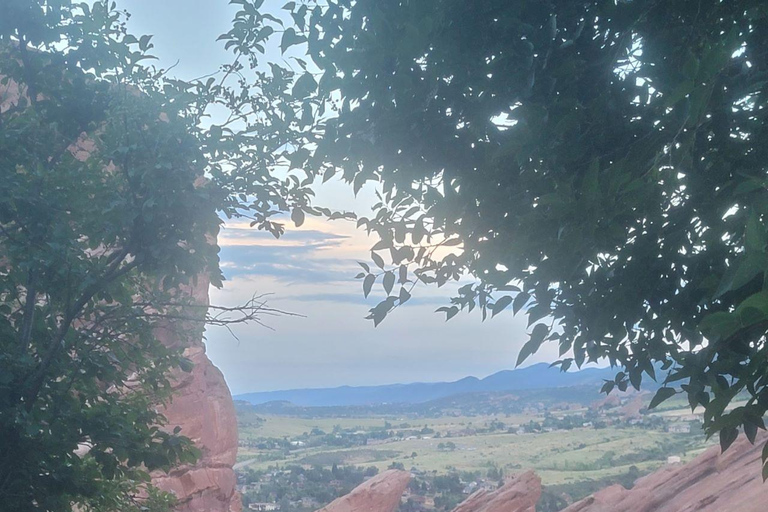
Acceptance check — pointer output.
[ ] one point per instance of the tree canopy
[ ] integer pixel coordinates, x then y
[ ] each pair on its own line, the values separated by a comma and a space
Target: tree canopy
114, 178
599, 165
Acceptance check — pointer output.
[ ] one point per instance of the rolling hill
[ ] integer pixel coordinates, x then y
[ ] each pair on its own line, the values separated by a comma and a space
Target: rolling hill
537, 376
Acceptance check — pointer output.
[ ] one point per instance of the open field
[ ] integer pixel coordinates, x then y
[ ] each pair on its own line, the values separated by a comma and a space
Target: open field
282, 426
562, 456
290, 426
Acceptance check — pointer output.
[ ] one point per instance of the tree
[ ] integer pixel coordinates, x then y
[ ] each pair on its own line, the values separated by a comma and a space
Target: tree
599, 165
112, 178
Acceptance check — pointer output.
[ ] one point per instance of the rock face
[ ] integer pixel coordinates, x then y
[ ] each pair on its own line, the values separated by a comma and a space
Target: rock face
519, 494
202, 406
712, 482
379, 494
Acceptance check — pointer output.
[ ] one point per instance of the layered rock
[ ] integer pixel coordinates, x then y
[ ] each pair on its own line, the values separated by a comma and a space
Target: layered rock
519, 494
379, 494
202, 406
712, 482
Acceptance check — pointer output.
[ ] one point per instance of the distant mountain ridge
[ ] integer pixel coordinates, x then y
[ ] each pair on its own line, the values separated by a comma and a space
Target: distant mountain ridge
537, 376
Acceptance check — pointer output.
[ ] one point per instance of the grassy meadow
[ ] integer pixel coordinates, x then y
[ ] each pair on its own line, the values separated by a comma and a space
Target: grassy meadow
561, 456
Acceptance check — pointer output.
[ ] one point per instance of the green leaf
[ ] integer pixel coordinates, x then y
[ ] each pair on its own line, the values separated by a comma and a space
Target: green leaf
681, 91
500, 305
590, 188
328, 174
538, 312
378, 260
289, 39
450, 311
764, 455
297, 216
741, 272
661, 395
144, 43
538, 334
750, 185
750, 430
754, 234
719, 325
368, 284
382, 244
403, 274
727, 436
520, 301
388, 282
418, 231
304, 86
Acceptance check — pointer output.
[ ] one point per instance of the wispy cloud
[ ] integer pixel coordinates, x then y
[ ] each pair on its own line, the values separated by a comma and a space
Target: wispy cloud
300, 256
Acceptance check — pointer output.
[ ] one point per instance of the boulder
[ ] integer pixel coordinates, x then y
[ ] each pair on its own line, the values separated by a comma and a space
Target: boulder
518, 494
379, 494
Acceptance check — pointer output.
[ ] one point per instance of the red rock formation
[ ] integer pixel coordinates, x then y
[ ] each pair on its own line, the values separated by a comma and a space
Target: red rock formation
379, 494
712, 482
519, 494
202, 406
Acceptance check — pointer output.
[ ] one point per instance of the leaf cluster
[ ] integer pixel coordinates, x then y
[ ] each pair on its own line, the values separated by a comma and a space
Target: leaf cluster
114, 178
598, 165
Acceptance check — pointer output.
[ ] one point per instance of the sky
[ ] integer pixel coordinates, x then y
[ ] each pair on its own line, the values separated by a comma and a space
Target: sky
310, 271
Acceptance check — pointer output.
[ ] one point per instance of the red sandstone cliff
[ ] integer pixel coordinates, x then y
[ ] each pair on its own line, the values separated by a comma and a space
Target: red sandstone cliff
520, 494
202, 406
712, 482
379, 494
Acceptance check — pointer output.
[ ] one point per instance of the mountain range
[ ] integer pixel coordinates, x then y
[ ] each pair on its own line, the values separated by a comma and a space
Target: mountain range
537, 376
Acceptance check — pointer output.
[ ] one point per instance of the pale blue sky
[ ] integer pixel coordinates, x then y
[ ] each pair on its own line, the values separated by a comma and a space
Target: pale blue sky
310, 271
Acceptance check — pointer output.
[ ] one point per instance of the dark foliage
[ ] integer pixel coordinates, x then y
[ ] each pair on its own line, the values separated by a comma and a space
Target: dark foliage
600, 165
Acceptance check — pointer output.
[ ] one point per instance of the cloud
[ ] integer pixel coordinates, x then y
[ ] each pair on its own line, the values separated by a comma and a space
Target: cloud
305, 257
247, 236
357, 298
310, 271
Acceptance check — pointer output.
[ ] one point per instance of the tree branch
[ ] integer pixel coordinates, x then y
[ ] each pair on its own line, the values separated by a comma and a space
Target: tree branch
35, 381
